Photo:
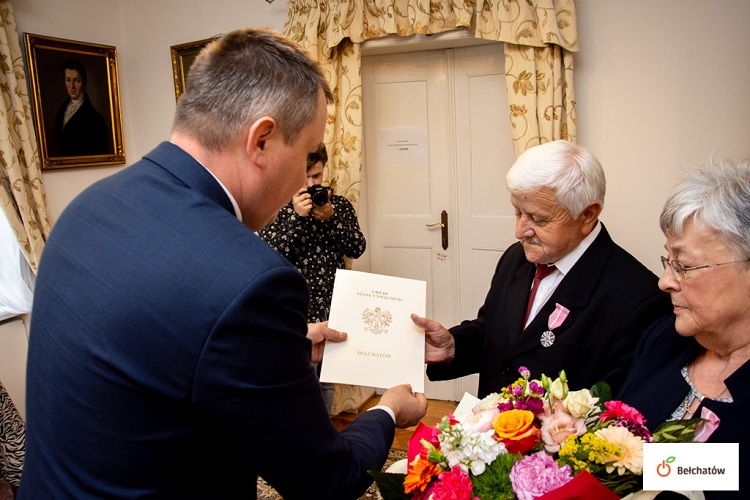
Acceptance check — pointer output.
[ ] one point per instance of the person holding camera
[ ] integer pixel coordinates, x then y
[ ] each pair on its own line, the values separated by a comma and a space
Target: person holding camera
315, 231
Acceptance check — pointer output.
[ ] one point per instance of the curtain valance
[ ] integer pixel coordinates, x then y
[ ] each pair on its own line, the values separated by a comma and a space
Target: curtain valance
534, 23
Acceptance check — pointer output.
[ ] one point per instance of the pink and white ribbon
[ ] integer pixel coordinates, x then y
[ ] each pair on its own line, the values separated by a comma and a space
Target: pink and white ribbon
557, 317
707, 427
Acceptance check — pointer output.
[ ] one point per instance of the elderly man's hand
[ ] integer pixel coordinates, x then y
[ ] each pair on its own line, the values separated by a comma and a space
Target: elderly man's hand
439, 346
318, 333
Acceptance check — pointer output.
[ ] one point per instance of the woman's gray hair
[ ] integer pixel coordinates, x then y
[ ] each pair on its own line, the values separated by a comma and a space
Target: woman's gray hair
243, 76
570, 170
717, 195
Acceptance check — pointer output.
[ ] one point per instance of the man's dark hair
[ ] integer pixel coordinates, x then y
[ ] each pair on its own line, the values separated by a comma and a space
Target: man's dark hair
319, 155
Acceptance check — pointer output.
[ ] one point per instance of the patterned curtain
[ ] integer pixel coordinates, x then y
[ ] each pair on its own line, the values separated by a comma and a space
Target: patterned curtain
23, 199
539, 36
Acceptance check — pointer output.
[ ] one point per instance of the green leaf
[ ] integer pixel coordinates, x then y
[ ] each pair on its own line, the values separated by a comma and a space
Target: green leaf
602, 391
671, 428
676, 431
391, 486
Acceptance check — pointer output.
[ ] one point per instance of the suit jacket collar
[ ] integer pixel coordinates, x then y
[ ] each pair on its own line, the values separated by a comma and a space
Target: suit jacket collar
574, 292
190, 172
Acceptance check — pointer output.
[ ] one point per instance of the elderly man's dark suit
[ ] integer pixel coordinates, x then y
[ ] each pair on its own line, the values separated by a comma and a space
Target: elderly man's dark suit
611, 296
168, 355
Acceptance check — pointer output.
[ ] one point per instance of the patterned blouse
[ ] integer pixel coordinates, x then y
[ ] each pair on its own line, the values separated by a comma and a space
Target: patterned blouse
317, 248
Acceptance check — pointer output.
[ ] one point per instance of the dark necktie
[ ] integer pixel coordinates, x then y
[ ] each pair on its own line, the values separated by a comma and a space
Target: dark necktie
542, 272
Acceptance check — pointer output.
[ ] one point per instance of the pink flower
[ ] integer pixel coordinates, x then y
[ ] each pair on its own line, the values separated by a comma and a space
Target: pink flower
534, 387
453, 485
557, 426
537, 474
423, 495
707, 427
618, 409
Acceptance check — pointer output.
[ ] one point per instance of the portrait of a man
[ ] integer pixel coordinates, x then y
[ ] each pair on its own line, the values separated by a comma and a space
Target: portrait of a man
80, 129
75, 94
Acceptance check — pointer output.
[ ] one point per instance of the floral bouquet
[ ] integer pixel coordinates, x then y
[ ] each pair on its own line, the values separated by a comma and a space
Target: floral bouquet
535, 438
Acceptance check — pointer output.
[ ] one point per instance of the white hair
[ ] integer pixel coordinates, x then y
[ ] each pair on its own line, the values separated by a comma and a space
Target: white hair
570, 170
717, 195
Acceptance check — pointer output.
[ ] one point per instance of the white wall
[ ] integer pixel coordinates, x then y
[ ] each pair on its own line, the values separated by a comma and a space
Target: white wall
660, 85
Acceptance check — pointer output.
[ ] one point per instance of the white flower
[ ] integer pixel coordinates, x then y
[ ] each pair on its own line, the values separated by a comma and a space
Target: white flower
558, 389
580, 403
469, 448
489, 402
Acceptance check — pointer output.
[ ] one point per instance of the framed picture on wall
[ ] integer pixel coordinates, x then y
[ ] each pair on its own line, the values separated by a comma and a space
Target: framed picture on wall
183, 56
75, 95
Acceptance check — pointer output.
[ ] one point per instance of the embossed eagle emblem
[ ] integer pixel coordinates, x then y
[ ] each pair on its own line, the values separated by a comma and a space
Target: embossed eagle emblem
376, 320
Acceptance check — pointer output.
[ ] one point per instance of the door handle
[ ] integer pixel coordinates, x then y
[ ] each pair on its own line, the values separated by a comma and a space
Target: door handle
443, 225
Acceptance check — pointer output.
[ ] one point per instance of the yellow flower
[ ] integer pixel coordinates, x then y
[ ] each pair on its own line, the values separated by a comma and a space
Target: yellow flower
631, 449
589, 452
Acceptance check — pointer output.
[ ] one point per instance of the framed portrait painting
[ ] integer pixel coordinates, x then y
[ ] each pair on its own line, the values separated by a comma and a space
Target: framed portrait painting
183, 56
75, 97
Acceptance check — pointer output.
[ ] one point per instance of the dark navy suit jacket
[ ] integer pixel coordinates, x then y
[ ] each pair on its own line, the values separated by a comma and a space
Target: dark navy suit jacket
611, 296
655, 387
168, 355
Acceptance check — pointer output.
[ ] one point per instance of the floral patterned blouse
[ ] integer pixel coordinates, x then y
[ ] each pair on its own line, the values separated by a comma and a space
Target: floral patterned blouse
317, 248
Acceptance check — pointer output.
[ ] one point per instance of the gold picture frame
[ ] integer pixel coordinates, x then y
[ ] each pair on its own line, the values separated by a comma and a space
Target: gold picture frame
183, 56
92, 135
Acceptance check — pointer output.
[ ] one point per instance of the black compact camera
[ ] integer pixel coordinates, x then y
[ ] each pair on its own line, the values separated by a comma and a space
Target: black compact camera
318, 194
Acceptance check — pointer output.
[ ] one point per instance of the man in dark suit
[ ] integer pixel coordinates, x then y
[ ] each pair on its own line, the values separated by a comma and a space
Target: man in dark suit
169, 355
589, 311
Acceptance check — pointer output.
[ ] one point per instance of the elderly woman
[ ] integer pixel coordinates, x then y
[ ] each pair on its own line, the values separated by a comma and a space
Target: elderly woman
698, 357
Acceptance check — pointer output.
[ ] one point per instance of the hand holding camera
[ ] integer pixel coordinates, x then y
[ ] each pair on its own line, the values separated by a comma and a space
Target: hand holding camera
314, 201
318, 194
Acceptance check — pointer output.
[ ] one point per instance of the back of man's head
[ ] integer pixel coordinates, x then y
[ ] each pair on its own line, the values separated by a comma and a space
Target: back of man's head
572, 171
243, 76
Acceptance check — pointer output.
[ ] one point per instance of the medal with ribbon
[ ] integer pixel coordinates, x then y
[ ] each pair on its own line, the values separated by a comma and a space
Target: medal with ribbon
555, 319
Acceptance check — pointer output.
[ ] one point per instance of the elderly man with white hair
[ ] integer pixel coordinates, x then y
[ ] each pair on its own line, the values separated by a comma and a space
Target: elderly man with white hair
564, 297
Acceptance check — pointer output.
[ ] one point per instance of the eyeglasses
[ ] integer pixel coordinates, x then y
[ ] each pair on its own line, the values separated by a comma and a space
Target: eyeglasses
680, 271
